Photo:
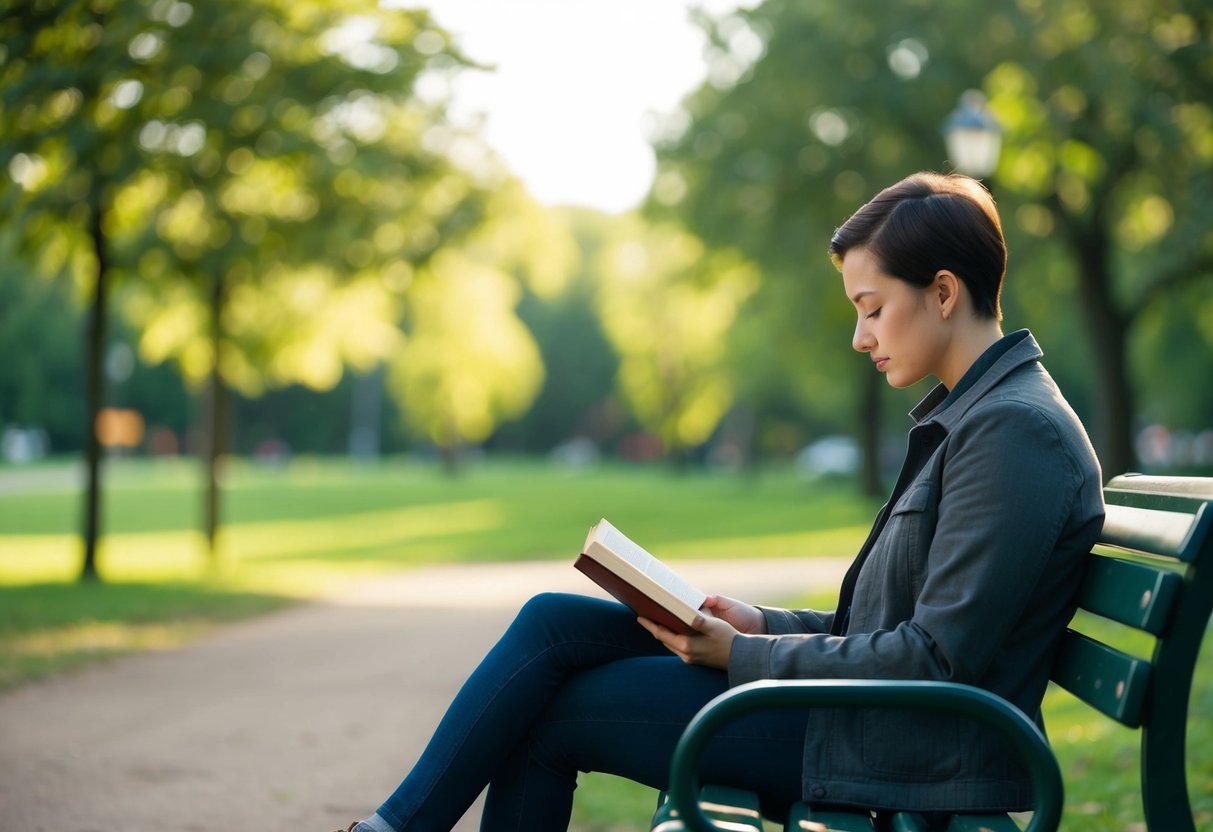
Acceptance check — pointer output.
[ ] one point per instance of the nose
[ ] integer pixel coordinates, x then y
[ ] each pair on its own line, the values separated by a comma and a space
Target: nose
862, 340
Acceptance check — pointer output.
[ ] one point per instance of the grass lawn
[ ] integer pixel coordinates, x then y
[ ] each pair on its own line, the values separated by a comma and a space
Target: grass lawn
307, 529
302, 531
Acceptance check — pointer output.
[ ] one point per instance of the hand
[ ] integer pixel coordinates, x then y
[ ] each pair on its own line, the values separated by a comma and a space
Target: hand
709, 645
746, 618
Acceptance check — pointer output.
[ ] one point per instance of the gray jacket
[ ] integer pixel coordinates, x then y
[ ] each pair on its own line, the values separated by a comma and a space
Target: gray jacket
969, 575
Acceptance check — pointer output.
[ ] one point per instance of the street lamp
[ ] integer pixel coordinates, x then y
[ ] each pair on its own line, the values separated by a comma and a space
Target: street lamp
973, 136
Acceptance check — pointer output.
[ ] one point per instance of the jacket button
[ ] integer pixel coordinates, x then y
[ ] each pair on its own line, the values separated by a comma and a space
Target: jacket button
818, 791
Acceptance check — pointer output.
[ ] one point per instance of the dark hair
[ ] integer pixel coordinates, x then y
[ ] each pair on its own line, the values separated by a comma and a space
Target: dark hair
928, 222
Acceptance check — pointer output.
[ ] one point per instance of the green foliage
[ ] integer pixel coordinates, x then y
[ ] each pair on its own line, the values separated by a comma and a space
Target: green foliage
40, 339
276, 151
282, 160
579, 362
780, 146
667, 304
1103, 181
468, 361
1172, 350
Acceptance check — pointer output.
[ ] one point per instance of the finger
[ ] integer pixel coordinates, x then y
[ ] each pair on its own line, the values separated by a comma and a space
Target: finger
657, 631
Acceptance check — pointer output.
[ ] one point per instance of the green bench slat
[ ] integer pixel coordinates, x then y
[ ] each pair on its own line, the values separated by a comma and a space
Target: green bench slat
735, 810
909, 822
1169, 533
1113, 682
803, 818
982, 823
1163, 493
1129, 593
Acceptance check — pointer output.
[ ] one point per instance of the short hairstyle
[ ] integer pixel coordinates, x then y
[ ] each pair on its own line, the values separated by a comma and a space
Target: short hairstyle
928, 222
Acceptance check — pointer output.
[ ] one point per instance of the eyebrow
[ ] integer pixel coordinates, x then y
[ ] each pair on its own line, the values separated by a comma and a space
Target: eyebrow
858, 296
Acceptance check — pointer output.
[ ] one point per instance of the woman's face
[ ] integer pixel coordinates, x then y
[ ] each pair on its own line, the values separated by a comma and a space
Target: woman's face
897, 325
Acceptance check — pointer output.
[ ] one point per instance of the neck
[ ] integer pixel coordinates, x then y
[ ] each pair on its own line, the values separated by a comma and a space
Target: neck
967, 346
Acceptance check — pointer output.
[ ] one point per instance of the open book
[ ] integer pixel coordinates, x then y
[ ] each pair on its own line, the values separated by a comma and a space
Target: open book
636, 578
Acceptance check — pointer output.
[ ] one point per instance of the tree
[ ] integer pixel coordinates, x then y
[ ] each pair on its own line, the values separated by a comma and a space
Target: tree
810, 108
580, 364
468, 362
667, 304
780, 145
1111, 149
63, 151
251, 156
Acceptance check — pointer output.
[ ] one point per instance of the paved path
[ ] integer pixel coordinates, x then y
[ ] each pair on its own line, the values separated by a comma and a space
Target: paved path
298, 721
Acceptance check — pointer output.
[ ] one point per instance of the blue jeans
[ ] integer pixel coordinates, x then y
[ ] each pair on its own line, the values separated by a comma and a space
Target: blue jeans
575, 684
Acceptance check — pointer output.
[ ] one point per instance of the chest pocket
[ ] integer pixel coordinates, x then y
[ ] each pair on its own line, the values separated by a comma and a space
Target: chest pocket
895, 571
913, 519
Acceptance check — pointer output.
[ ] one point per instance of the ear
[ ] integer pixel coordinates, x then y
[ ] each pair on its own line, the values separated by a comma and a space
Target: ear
945, 293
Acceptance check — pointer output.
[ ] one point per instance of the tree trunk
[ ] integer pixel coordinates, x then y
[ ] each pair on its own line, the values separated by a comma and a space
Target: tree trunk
216, 419
365, 415
449, 454
94, 389
869, 420
1112, 424
450, 448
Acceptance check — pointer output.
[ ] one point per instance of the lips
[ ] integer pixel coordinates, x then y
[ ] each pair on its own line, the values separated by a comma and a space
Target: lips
880, 362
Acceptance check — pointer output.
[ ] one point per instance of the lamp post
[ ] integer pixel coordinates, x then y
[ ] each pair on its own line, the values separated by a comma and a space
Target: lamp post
973, 136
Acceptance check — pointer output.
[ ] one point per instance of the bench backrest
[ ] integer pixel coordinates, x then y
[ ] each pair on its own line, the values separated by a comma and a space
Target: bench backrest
1153, 571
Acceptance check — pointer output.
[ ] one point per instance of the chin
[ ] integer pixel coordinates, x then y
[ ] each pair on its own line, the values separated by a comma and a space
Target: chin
902, 382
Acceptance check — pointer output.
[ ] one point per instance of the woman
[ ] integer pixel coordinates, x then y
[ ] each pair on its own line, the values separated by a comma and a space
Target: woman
968, 575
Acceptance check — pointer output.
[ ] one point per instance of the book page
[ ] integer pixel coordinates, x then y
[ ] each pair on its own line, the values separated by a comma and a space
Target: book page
629, 551
620, 544
674, 582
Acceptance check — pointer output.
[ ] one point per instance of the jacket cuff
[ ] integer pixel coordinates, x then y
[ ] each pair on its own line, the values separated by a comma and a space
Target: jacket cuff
749, 658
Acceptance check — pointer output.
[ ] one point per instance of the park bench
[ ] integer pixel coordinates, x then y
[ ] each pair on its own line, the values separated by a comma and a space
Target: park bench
1152, 570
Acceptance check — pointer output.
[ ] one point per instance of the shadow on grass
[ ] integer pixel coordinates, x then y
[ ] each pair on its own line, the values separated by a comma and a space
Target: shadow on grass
50, 627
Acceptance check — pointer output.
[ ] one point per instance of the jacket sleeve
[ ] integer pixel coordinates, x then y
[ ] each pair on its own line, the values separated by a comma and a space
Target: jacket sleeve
1008, 485
780, 621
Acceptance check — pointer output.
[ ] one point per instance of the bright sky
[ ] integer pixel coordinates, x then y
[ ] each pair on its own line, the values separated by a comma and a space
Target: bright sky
577, 85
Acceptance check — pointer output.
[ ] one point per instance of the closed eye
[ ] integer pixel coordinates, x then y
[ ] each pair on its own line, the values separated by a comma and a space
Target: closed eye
874, 314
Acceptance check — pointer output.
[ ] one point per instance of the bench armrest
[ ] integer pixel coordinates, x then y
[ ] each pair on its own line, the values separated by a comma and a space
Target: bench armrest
973, 702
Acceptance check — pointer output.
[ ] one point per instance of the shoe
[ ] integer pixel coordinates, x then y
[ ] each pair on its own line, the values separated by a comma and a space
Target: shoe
351, 827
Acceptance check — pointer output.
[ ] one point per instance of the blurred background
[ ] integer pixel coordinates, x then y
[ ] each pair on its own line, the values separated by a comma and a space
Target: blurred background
581, 231
293, 291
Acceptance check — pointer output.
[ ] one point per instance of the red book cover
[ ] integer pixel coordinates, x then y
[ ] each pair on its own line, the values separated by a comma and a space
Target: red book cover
625, 593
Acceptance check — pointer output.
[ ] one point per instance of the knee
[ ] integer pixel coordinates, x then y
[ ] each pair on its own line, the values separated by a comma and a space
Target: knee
548, 605
538, 623
556, 616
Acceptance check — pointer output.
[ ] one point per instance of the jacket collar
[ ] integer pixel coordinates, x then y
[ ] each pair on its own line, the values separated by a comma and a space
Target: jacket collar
1026, 351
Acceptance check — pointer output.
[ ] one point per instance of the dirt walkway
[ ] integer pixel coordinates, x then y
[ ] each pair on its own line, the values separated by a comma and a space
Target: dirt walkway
295, 722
